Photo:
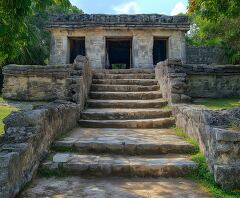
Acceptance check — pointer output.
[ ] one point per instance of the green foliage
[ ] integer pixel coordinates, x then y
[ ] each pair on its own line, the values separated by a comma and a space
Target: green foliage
217, 104
119, 66
202, 175
181, 133
205, 178
23, 37
4, 112
214, 22
46, 172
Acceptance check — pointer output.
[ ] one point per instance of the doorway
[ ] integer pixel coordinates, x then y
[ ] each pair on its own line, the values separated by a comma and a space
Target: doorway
159, 50
118, 53
77, 47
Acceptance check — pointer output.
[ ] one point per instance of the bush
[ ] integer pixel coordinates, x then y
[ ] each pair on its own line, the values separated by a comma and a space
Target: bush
1, 80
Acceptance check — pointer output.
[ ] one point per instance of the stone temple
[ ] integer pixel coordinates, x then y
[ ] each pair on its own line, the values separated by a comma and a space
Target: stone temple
122, 41
106, 110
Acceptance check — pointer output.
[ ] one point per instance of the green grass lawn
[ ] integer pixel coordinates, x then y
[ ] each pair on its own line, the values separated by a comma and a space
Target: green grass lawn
217, 104
5, 110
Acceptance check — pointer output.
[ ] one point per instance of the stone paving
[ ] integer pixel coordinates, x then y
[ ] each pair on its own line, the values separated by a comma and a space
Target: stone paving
72, 187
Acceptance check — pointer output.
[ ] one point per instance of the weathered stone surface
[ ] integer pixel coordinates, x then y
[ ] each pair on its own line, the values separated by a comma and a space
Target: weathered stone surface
114, 188
220, 145
103, 165
182, 82
48, 83
124, 114
156, 103
125, 141
78, 85
124, 71
126, 95
142, 82
27, 140
95, 43
104, 20
32, 82
140, 123
205, 55
126, 76
123, 88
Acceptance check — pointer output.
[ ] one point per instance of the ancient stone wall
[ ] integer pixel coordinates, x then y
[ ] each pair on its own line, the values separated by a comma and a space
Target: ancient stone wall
172, 80
28, 135
79, 82
35, 82
48, 83
181, 82
220, 144
205, 55
95, 43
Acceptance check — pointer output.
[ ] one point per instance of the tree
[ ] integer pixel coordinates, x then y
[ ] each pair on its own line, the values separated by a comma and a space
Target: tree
214, 22
37, 49
21, 28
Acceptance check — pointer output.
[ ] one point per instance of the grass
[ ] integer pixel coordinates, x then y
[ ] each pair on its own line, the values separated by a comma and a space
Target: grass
202, 175
217, 104
5, 110
206, 179
46, 172
184, 135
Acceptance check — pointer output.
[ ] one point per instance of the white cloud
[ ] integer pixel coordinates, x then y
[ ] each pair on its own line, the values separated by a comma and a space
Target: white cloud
179, 8
128, 8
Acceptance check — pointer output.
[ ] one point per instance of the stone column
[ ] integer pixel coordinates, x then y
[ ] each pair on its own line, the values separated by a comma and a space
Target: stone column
95, 50
142, 50
177, 48
59, 48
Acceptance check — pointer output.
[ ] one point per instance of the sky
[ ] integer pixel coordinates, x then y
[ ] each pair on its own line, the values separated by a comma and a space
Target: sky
167, 7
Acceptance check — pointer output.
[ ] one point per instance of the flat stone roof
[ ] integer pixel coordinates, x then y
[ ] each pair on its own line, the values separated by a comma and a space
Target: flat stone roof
103, 20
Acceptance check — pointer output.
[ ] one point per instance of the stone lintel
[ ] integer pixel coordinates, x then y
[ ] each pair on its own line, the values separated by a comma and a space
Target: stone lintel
103, 20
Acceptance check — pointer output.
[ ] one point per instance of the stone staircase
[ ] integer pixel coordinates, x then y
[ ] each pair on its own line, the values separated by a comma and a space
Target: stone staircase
125, 131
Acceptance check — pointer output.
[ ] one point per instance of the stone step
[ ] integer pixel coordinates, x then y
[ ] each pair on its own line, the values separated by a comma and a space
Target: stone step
124, 141
123, 76
113, 187
142, 82
157, 103
124, 114
126, 95
111, 165
141, 123
123, 71
123, 88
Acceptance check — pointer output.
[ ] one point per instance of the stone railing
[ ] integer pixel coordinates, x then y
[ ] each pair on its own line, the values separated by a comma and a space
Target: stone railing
28, 135
220, 144
182, 82
48, 83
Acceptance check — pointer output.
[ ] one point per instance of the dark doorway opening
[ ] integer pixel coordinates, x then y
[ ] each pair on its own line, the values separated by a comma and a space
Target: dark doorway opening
118, 53
159, 50
77, 47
